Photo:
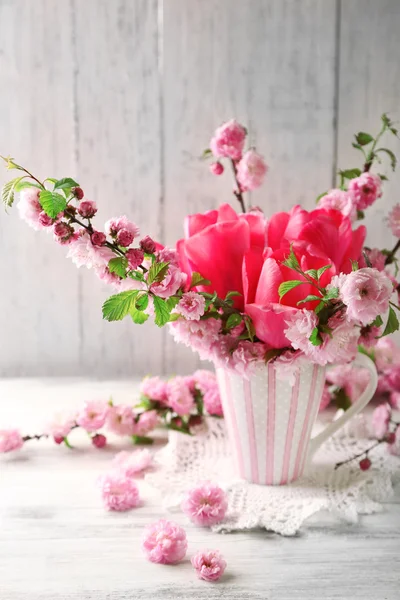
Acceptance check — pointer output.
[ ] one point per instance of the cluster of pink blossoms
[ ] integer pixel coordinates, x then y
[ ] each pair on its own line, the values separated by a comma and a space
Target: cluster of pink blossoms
228, 142
362, 192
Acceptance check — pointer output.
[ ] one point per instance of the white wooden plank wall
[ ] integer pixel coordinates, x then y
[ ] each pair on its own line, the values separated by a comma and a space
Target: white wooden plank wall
124, 95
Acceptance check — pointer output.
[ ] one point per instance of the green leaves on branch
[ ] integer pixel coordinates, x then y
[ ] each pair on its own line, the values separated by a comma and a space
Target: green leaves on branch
120, 305
315, 337
161, 311
8, 191
65, 184
391, 155
52, 203
350, 173
286, 286
363, 139
233, 320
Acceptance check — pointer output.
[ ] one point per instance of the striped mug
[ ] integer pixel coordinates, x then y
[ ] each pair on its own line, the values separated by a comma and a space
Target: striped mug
270, 421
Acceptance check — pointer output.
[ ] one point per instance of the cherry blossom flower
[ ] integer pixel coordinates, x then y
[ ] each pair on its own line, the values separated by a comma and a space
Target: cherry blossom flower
205, 380
197, 335
135, 258
366, 294
340, 200
87, 209
118, 492
84, 254
380, 420
366, 189
164, 542
171, 283
60, 425
10, 439
114, 225
29, 207
191, 306
394, 220
247, 356
212, 402
146, 422
205, 504
375, 257
121, 420
93, 415
180, 398
132, 463
209, 565
251, 171
229, 140
154, 388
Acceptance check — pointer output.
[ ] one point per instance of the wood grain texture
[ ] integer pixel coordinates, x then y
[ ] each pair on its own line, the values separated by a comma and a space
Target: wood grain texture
58, 543
272, 66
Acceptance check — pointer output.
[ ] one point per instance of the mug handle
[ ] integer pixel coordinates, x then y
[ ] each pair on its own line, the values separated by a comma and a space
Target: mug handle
364, 361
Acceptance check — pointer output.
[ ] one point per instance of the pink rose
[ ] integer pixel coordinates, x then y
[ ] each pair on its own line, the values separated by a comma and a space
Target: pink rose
211, 237
228, 140
340, 200
170, 284
366, 189
326, 234
251, 171
10, 439
366, 294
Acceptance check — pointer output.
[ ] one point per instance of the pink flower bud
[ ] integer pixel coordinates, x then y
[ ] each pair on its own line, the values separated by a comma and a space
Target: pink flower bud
62, 229
78, 193
99, 440
58, 439
98, 238
216, 168
148, 245
135, 258
45, 220
87, 209
124, 237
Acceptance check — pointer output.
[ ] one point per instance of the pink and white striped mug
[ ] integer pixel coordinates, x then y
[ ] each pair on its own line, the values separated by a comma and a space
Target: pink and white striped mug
269, 421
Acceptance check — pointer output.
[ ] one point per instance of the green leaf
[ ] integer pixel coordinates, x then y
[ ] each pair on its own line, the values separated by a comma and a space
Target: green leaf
207, 153
11, 164
320, 196
139, 317
52, 203
320, 306
322, 270
119, 305
286, 286
250, 329
378, 322
291, 260
272, 353
315, 337
118, 265
310, 298
161, 310
392, 324
142, 301
233, 320
198, 279
65, 184
174, 317
157, 272
357, 146
350, 173
383, 177
142, 439
66, 442
51, 179
7, 192
22, 184
392, 156
312, 273
363, 138
354, 265
386, 120
172, 302
136, 275
332, 293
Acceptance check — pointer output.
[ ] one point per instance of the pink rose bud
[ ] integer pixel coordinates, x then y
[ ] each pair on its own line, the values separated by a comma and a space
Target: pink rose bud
148, 245
125, 237
99, 440
87, 209
45, 220
63, 231
135, 258
78, 193
98, 238
216, 168
58, 439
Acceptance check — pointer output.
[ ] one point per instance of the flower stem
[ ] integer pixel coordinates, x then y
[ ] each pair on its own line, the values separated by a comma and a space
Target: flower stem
237, 192
391, 255
364, 452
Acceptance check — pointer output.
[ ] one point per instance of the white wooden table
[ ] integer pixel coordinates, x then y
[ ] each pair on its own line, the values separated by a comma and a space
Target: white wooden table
58, 543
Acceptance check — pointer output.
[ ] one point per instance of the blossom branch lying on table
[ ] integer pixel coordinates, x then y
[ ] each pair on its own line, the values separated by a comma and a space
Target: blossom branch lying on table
178, 404
238, 289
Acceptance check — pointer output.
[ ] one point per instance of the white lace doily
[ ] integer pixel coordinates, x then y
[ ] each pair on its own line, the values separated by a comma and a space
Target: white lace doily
347, 491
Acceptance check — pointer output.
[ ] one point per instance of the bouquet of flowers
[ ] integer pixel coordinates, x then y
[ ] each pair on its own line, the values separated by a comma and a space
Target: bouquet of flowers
239, 289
